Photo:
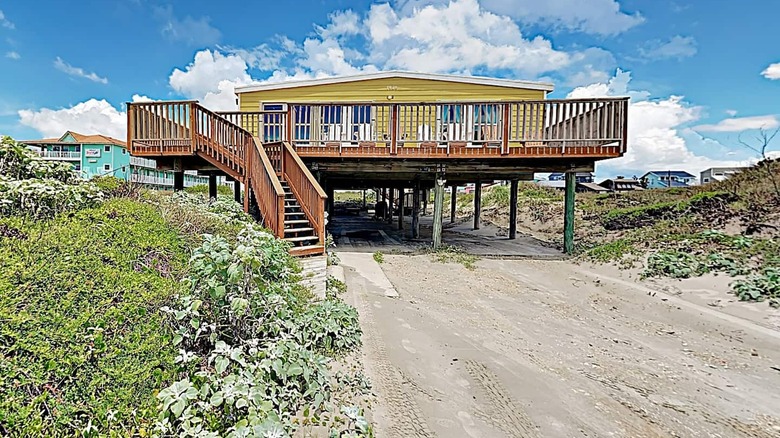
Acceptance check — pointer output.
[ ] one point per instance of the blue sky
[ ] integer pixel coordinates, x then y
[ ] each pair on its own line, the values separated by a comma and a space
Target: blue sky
701, 73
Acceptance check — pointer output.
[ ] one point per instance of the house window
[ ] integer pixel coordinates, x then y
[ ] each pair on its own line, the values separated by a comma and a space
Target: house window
706, 180
361, 114
77, 148
331, 115
107, 148
302, 122
123, 151
450, 113
106, 167
486, 114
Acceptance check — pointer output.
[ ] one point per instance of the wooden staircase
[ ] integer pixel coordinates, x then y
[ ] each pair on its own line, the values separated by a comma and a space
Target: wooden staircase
290, 201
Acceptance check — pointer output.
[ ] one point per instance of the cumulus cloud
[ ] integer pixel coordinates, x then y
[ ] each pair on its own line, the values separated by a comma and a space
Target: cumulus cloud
658, 132
602, 17
189, 30
739, 124
678, 47
78, 72
772, 72
91, 117
13, 55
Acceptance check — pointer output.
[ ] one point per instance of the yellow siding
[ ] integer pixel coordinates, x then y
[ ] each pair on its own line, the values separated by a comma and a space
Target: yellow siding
377, 90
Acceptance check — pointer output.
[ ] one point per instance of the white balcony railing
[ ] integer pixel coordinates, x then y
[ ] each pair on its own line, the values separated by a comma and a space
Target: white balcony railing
60, 155
166, 180
143, 162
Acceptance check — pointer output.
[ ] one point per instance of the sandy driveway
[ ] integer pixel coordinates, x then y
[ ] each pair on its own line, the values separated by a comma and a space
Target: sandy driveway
552, 349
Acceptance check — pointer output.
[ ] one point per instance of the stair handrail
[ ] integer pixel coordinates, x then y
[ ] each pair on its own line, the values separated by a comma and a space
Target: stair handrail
305, 188
269, 192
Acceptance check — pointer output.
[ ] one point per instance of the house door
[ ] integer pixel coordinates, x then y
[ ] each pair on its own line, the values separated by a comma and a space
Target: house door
454, 123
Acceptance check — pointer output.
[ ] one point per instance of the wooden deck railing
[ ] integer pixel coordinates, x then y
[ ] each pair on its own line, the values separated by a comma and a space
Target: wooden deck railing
268, 189
216, 137
575, 127
160, 128
305, 188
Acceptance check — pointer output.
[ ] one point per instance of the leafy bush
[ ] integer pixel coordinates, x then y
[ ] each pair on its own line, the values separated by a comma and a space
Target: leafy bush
114, 187
611, 251
45, 198
761, 286
83, 345
334, 287
647, 214
18, 163
203, 189
379, 257
674, 264
250, 348
496, 196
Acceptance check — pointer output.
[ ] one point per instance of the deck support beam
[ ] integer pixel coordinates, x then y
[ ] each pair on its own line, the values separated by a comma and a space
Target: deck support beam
178, 175
438, 210
477, 203
513, 209
212, 185
426, 196
453, 203
416, 210
568, 218
401, 207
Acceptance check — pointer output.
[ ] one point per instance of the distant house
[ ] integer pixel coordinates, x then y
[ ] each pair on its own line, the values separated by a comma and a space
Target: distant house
99, 155
667, 178
580, 177
621, 184
719, 173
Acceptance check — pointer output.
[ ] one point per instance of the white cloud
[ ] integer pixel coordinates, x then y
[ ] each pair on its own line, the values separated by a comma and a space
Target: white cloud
602, 17
63, 66
192, 31
211, 78
739, 124
5, 22
91, 117
13, 55
658, 137
772, 72
731, 112
341, 23
678, 47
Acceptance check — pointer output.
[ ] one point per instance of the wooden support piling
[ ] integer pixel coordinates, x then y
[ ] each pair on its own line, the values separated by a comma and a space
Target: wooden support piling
212, 185
416, 210
513, 209
568, 218
477, 203
453, 203
401, 199
438, 210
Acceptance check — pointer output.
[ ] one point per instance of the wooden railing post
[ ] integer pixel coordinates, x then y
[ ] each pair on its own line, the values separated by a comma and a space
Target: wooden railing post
394, 129
505, 134
130, 127
193, 128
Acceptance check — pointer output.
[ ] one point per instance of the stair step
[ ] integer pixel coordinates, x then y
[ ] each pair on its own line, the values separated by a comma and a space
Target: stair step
293, 213
298, 230
296, 221
307, 250
301, 238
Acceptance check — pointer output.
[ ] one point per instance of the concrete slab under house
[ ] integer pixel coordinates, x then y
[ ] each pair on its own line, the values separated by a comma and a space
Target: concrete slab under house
292, 144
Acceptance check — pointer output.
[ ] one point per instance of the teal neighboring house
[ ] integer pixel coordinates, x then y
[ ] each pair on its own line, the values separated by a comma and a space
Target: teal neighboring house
100, 155
667, 178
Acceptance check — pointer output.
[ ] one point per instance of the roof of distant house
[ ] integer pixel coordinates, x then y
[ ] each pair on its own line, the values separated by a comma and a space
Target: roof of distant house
674, 173
510, 83
80, 138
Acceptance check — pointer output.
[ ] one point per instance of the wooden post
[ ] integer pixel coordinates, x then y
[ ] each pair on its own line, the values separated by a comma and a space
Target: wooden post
416, 210
438, 210
477, 203
453, 203
401, 199
384, 203
212, 185
237, 191
390, 206
426, 194
246, 195
568, 218
513, 209
178, 175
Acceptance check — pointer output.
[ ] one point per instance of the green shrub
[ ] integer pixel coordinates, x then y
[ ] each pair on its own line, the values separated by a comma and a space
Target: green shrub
761, 286
203, 189
496, 196
674, 264
611, 251
45, 198
379, 257
83, 345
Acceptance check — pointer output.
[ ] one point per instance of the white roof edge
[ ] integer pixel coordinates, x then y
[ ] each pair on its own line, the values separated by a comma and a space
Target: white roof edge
479, 80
